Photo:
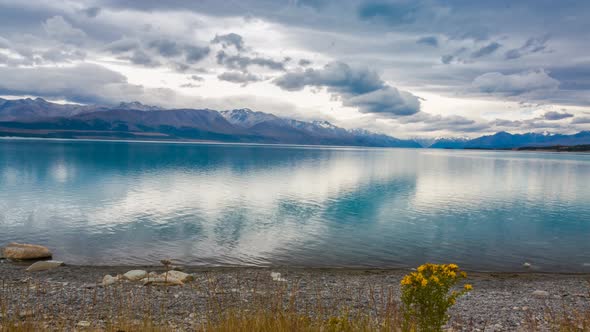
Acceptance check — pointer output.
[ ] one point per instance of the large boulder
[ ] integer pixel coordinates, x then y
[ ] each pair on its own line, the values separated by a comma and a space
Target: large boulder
21, 251
44, 265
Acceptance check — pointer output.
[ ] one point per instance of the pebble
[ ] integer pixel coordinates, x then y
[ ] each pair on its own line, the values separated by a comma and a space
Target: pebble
276, 276
26, 313
83, 323
540, 294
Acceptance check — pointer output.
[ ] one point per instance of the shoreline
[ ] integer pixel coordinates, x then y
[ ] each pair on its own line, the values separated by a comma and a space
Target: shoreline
311, 269
569, 149
500, 301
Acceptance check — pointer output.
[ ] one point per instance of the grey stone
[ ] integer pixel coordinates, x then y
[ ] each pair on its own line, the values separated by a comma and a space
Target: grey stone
540, 294
44, 265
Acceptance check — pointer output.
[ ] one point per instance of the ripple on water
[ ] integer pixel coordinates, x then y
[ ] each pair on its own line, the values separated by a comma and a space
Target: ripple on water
136, 203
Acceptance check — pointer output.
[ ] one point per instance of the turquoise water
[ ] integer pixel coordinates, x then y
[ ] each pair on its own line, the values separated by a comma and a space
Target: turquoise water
209, 204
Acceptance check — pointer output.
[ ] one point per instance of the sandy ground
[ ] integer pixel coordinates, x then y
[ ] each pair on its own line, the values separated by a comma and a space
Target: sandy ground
499, 301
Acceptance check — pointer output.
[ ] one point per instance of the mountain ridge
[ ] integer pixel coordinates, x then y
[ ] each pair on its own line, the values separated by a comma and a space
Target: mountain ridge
132, 120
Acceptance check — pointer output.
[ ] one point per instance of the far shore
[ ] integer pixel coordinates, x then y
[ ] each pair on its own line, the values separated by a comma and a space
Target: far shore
574, 149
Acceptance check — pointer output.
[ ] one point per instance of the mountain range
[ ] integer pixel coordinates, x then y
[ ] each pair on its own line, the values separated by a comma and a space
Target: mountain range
40, 118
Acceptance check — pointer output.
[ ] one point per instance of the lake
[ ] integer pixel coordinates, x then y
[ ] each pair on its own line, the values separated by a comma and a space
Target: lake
107, 202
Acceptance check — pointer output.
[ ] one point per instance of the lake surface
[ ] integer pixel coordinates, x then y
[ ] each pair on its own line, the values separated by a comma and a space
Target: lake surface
98, 202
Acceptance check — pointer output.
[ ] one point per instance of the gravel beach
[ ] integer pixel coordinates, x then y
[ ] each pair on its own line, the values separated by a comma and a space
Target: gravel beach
74, 294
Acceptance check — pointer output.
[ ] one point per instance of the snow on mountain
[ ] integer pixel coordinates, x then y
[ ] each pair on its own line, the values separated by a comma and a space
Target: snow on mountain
135, 105
246, 118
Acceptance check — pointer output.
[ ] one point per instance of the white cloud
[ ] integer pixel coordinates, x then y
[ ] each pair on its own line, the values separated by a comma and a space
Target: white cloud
515, 84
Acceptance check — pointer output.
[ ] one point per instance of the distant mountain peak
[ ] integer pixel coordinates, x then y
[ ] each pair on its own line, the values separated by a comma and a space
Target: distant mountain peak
324, 124
246, 118
135, 105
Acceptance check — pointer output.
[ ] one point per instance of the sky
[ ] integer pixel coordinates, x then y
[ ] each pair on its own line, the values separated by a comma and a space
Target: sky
423, 68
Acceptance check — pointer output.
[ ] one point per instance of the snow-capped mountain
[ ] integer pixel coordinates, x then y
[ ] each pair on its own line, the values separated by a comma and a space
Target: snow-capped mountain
40, 118
246, 118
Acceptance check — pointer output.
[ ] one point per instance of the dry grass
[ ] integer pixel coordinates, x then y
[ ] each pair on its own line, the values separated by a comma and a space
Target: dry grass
129, 307
34, 306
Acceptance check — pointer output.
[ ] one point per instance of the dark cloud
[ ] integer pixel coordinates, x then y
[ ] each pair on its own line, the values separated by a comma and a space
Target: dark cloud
532, 45
92, 12
447, 59
429, 40
507, 123
230, 39
337, 76
166, 48
304, 62
388, 101
139, 57
358, 87
242, 62
553, 115
573, 75
122, 46
581, 120
486, 50
238, 77
388, 12
194, 54
151, 54
196, 78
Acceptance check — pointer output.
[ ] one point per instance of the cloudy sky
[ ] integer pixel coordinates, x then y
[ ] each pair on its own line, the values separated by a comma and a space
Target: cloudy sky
406, 68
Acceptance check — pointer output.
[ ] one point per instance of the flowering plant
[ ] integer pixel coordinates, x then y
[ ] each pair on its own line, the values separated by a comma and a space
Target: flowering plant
427, 295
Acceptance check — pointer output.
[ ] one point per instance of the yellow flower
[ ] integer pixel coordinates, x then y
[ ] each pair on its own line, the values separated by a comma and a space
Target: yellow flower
421, 268
407, 280
424, 282
453, 266
468, 287
435, 279
463, 274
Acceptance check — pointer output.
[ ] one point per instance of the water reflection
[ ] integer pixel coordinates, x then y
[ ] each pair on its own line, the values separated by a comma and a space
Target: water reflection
117, 202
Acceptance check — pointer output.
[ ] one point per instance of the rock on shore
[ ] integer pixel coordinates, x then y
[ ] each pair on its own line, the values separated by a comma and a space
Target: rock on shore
44, 265
22, 251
